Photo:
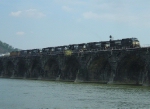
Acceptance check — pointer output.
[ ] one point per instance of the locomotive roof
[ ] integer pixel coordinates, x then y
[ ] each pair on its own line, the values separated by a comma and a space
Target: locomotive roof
131, 38
134, 39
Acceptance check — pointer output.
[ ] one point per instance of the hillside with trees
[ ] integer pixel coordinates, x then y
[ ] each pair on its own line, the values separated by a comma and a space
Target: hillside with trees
5, 48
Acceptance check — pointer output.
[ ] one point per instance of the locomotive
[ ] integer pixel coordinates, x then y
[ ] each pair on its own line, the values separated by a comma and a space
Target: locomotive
91, 46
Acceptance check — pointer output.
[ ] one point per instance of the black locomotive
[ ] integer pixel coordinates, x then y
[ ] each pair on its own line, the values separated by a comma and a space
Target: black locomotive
91, 46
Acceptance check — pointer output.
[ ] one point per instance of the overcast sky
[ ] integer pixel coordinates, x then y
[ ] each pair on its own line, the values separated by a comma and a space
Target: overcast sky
29, 24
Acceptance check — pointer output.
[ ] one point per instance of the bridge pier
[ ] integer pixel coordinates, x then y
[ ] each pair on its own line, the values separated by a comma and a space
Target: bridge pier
146, 73
113, 61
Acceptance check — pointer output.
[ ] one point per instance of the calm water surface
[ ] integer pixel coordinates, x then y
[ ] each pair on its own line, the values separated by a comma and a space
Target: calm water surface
36, 94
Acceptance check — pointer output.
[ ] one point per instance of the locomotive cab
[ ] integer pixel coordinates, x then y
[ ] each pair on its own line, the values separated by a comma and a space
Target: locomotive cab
135, 42
130, 43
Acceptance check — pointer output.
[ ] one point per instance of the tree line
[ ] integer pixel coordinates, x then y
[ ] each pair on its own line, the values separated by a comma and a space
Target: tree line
5, 48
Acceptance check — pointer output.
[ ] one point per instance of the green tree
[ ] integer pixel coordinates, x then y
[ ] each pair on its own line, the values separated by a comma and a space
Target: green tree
5, 48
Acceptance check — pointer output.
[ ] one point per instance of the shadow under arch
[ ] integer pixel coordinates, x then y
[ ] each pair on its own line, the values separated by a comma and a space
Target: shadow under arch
9, 68
51, 68
71, 67
1, 66
99, 68
22, 68
130, 68
35, 68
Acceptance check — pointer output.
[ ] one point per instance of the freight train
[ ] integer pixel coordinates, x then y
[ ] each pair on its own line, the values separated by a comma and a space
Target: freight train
91, 46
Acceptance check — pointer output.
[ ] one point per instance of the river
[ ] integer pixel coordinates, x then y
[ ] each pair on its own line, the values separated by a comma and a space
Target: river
37, 94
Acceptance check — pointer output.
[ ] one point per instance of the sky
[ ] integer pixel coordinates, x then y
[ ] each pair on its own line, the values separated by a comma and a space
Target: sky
30, 24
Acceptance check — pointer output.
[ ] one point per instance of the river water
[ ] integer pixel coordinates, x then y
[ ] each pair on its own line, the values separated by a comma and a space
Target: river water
37, 94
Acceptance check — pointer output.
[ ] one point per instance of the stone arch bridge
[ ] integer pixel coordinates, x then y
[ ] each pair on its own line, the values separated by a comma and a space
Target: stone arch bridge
125, 66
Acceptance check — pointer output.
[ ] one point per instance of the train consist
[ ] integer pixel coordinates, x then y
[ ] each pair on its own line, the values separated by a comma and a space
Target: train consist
91, 46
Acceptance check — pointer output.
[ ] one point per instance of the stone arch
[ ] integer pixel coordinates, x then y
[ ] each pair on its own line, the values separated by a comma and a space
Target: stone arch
21, 67
71, 67
130, 68
34, 68
1, 67
99, 68
9, 68
51, 68
145, 55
